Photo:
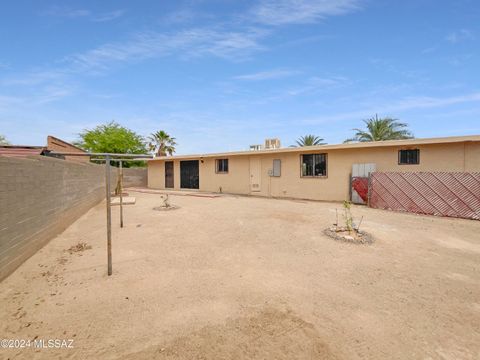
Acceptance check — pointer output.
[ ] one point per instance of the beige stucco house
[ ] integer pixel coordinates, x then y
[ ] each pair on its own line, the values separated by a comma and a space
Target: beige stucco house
315, 172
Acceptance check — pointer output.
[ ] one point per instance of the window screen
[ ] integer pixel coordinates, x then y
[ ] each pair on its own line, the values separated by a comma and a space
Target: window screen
222, 166
409, 157
277, 167
314, 165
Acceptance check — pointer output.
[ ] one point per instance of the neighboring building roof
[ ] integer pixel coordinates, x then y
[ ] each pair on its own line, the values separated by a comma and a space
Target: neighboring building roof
53, 144
52, 140
21, 150
371, 144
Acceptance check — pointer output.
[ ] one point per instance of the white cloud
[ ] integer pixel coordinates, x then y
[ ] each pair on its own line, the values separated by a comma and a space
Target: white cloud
69, 13
34, 77
318, 83
460, 35
267, 75
282, 12
38, 96
50, 94
411, 103
41, 86
179, 17
432, 102
234, 45
429, 50
6, 101
112, 15
65, 12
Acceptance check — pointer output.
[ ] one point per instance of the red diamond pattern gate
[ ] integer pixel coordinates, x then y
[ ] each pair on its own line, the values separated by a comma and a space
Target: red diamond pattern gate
453, 194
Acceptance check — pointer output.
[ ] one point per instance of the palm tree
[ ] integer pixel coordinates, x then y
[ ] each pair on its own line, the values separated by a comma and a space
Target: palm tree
310, 140
162, 143
380, 129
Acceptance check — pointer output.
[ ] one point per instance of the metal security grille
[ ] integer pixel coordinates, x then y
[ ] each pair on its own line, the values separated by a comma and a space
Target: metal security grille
169, 174
435, 193
189, 174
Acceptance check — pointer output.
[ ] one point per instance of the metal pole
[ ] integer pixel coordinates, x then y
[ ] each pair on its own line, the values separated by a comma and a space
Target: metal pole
109, 215
121, 195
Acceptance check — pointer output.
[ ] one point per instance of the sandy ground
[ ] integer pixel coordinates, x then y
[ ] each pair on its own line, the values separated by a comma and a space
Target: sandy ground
249, 278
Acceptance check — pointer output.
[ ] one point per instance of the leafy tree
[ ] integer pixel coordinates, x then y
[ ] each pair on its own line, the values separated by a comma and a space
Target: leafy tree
310, 140
112, 138
3, 140
379, 129
162, 143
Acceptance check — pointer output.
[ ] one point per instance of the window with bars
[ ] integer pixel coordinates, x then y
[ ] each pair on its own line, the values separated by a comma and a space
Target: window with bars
409, 157
221, 166
314, 165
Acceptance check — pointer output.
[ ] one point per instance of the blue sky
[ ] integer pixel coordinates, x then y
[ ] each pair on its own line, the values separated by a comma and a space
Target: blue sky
221, 75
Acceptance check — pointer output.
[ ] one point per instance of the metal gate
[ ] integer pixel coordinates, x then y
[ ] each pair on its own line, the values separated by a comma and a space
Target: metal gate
189, 174
359, 182
453, 194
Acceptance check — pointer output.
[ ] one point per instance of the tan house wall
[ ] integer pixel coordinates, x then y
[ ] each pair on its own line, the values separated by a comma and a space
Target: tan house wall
333, 187
472, 157
156, 174
236, 181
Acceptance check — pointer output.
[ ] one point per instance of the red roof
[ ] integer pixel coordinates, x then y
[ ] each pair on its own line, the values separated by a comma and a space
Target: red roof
20, 151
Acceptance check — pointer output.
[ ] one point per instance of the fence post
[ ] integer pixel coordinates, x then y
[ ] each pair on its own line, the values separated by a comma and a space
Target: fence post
109, 214
369, 191
120, 170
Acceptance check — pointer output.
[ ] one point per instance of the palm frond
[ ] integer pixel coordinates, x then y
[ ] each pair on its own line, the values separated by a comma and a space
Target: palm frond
381, 129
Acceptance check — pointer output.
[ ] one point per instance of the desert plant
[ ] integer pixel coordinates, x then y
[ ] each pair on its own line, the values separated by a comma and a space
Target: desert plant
166, 201
348, 215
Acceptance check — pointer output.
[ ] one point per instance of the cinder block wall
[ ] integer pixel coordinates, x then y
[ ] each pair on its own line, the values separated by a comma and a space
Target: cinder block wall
39, 198
135, 177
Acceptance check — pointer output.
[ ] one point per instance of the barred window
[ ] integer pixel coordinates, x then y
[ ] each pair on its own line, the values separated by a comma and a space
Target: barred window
314, 165
221, 166
409, 157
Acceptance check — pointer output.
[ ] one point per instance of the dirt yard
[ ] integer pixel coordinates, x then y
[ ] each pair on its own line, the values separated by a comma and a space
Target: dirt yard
249, 278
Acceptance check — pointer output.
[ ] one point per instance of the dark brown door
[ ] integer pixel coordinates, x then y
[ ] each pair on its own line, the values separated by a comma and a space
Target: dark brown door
169, 174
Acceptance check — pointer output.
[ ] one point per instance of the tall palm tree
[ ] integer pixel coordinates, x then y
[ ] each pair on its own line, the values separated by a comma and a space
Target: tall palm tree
162, 143
310, 140
379, 129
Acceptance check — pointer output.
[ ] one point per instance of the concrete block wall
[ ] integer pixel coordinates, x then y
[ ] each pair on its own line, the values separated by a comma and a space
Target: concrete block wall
39, 198
135, 177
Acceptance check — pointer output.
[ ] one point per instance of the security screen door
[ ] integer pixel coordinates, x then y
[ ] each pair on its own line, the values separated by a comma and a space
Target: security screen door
169, 174
189, 174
